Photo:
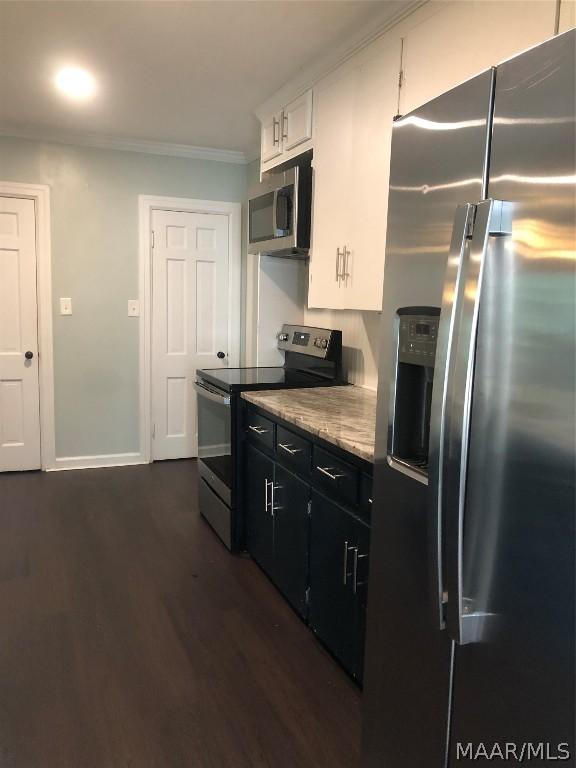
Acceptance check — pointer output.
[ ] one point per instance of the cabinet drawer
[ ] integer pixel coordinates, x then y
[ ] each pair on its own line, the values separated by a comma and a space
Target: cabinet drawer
335, 475
293, 449
259, 429
366, 496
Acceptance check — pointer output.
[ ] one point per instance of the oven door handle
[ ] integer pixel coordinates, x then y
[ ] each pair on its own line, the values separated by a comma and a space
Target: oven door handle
212, 394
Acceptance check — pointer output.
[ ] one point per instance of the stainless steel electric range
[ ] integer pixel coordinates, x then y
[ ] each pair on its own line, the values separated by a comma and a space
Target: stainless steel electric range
312, 358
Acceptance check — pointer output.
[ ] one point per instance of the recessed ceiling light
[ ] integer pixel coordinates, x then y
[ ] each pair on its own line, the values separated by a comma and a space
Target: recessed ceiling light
75, 82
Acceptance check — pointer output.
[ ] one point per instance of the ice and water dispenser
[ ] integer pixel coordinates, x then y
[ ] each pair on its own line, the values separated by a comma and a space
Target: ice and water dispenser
417, 332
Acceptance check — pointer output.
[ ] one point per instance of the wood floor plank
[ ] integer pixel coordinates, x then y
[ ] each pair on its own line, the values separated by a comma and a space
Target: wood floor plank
131, 637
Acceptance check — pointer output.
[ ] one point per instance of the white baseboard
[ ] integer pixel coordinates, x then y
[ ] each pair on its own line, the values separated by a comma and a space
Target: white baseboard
94, 462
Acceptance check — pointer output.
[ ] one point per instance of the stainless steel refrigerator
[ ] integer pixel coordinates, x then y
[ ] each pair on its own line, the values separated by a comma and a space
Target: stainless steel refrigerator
470, 647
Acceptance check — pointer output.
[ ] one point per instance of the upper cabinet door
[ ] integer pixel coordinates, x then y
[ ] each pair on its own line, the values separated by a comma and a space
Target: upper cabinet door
287, 133
375, 106
334, 107
297, 122
353, 117
271, 138
494, 32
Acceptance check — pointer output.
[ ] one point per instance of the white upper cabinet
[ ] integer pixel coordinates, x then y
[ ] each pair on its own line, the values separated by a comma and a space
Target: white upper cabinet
271, 138
332, 162
350, 127
436, 59
353, 116
297, 122
567, 18
286, 133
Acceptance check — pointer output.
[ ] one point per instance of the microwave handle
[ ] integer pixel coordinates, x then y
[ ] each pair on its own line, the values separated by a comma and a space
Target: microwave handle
274, 209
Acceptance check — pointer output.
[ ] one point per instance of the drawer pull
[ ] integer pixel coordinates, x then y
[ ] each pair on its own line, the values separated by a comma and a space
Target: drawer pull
289, 449
258, 430
326, 471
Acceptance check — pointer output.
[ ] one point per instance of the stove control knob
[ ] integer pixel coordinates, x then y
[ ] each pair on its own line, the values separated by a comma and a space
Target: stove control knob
282, 337
323, 343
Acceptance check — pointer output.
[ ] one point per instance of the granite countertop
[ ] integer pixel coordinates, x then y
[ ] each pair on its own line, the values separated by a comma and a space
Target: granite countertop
344, 416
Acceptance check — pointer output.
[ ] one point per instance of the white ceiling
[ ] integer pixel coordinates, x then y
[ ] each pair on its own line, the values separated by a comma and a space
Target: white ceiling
176, 72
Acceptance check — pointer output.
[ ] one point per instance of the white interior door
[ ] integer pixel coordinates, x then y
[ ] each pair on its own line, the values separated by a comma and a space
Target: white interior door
190, 313
19, 391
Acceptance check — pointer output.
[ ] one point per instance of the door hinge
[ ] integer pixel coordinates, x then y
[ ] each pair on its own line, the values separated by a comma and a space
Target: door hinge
307, 596
309, 508
152, 238
153, 431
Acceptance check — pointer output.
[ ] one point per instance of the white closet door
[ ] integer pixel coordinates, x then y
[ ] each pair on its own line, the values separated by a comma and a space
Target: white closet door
190, 312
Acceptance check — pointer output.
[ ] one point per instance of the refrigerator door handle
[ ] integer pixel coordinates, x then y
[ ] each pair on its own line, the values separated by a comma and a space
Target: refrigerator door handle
492, 219
451, 305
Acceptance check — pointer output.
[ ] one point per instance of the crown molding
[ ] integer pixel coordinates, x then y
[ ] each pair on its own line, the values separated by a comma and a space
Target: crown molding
335, 57
126, 145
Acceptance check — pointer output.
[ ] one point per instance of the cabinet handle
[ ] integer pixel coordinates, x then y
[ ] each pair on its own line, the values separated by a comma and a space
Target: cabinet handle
369, 500
273, 527
345, 255
326, 471
345, 574
258, 430
265, 495
355, 583
337, 265
275, 124
273, 489
285, 126
288, 449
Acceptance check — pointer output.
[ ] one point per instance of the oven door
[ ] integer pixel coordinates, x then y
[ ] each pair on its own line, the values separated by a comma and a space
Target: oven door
214, 439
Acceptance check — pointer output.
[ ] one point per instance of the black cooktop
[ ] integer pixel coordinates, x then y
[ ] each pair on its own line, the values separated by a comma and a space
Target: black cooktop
244, 379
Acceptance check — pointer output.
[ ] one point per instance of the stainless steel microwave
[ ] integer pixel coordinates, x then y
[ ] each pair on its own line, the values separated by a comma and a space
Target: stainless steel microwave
279, 217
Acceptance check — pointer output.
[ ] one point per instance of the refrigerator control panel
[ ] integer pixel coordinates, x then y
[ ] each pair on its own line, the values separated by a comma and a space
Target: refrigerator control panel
417, 339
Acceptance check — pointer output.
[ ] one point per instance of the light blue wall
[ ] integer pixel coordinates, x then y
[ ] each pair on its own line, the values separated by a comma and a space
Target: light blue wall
94, 216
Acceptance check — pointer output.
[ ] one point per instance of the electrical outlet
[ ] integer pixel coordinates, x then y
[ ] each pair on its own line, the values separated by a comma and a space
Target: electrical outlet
133, 308
65, 306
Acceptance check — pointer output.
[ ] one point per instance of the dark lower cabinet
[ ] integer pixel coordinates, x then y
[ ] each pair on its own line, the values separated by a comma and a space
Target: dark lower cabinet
314, 548
360, 592
338, 581
331, 611
291, 498
259, 520
277, 525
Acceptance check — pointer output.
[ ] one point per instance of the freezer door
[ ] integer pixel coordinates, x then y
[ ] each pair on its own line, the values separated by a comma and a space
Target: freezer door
438, 163
514, 671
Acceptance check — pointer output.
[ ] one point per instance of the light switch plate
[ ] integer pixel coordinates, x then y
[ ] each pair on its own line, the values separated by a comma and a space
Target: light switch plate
65, 306
133, 308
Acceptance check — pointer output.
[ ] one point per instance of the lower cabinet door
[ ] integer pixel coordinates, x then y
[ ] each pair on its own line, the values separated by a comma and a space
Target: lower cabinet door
360, 557
332, 606
259, 519
291, 537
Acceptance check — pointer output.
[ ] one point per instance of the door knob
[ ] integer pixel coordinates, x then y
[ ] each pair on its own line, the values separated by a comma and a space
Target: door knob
29, 355
220, 355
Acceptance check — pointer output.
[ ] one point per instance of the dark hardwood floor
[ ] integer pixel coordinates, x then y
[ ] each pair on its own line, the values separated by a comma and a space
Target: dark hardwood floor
131, 638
